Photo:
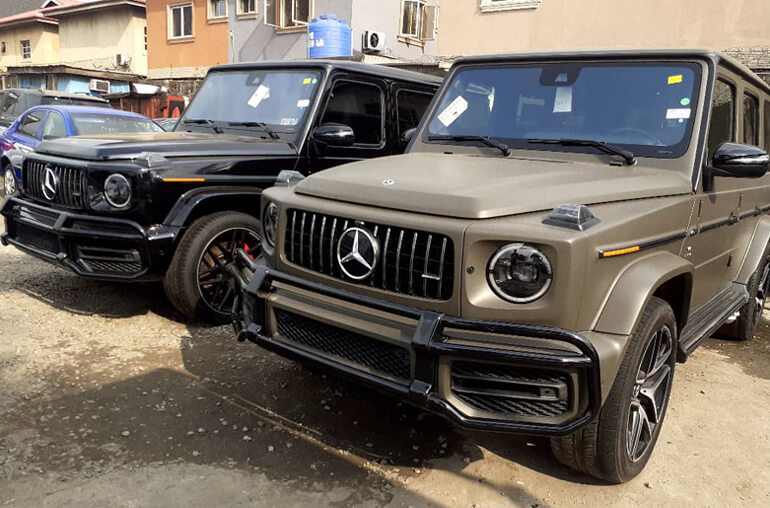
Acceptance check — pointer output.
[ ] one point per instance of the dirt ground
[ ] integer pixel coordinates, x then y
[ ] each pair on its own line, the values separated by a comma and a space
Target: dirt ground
108, 398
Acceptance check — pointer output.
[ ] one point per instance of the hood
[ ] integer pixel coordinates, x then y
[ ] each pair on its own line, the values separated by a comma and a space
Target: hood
473, 187
170, 144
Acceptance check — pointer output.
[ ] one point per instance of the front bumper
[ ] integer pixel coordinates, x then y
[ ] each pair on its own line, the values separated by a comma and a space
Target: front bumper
91, 246
429, 361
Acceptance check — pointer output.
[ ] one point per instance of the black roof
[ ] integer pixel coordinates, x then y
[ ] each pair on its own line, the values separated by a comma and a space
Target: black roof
716, 57
11, 7
374, 70
55, 93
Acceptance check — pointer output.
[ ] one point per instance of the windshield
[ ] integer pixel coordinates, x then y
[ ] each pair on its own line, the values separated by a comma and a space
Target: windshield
94, 124
646, 108
279, 99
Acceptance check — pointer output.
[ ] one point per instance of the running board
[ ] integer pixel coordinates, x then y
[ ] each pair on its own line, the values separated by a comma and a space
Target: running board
707, 318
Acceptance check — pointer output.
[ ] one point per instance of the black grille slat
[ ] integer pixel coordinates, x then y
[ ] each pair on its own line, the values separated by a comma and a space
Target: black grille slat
376, 356
412, 262
511, 391
69, 192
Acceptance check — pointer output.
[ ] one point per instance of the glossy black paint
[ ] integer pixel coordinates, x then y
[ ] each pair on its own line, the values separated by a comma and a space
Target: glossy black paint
740, 161
180, 176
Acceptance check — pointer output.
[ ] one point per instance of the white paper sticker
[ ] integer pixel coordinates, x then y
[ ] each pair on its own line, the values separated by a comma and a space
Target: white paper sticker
453, 111
563, 101
261, 93
303, 103
678, 113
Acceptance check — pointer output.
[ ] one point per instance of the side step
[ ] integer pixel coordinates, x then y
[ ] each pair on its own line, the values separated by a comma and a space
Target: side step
706, 319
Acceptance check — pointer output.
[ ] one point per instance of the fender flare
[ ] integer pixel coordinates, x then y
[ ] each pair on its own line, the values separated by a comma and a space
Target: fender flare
190, 200
753, 257
636, 285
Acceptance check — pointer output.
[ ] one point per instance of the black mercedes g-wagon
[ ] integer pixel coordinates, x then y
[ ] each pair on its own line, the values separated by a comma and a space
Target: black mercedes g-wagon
176, 206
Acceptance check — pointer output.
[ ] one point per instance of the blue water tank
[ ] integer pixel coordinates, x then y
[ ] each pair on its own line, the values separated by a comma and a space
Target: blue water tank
329, 37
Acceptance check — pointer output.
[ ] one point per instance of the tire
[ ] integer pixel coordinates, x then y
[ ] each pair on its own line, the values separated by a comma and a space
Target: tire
750, 314
9, 181
197, 282
603, 448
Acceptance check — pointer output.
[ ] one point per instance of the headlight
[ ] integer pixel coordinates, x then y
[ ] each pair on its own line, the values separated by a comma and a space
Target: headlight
519, 273
117, 190
270, 224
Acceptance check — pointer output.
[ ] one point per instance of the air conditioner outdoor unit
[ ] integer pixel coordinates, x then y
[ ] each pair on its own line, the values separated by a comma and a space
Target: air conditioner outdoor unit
99, 85
121, 59
374, 41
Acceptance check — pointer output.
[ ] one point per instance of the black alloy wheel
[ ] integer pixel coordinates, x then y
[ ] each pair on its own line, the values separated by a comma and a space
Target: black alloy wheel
214, 281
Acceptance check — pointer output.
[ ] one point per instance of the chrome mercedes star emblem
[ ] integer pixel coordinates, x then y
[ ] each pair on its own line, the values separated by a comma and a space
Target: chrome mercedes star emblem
389, 181
357, 253
50, 183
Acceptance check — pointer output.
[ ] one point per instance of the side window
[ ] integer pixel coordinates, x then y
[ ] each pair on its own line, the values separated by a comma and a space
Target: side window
750, 120
767, 126
30, 124
54, 126
359, 106
411, 106
722, 127
9, 104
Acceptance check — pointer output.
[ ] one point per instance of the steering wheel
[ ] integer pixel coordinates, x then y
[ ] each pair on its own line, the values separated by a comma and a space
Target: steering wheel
652, 137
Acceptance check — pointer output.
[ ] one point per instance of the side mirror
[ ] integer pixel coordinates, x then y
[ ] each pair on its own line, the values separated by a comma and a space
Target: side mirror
407, 136
740, 161
334, 134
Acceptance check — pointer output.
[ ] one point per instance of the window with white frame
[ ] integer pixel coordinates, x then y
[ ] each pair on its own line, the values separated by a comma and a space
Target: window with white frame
26, 50
288, 13
180, 21
418, 20
507, 5
247, 7
217, 9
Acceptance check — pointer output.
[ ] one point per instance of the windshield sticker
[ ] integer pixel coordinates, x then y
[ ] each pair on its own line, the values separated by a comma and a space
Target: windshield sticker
453, 111
259, 95
289, 122
685, 101
678, 113
307, 81
675, 80
303, 103
563, 101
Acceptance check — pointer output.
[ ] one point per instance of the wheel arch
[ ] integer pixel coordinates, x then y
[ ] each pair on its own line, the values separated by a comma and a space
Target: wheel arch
663, 275
757, 246
197, 203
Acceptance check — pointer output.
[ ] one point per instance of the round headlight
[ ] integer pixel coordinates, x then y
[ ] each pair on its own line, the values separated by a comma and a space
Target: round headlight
270, 224
519, 273
117, 190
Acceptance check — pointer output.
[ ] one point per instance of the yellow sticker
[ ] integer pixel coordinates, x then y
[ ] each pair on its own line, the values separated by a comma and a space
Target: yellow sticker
307, 81
673, 80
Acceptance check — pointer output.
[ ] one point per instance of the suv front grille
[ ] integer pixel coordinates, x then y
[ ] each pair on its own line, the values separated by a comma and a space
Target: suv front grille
69, 184
377, 356
510, 391
411, 262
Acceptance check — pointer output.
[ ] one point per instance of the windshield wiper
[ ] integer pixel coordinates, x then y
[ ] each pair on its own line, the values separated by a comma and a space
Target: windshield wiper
481, 139
204, 121
627, 155
270, 132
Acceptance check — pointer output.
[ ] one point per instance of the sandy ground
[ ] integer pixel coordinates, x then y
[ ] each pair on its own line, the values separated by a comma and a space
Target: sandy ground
107, 398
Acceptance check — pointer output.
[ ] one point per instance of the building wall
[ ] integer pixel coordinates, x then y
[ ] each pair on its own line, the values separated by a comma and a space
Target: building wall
188, 57
44, 42
253, 40
92, 39
569, 24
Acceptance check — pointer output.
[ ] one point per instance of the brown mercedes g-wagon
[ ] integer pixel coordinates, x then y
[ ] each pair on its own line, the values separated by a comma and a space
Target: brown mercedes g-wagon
562, 230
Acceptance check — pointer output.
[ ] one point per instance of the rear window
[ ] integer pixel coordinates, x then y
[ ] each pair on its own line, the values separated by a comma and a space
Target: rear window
111, 124
47, 100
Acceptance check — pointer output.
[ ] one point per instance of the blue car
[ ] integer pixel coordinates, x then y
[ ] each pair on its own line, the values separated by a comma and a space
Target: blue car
49, 122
